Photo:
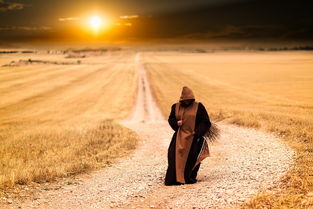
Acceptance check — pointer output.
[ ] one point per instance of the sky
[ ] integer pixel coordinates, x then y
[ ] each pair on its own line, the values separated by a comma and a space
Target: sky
211, 20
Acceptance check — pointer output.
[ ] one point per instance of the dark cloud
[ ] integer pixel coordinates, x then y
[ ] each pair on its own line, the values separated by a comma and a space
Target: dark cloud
250, 19
169, 19
240, 32
6, 6
24, 28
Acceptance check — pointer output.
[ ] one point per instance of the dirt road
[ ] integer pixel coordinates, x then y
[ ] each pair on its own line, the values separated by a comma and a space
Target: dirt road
243, 162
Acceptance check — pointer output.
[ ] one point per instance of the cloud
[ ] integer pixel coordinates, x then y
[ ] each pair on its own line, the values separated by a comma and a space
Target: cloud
233, 31
6, 6
24, 28
128, 24
229, 30
62, 19
129, 16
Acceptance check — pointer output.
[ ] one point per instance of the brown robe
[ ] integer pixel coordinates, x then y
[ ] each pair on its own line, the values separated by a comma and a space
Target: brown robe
184, 137
187, 148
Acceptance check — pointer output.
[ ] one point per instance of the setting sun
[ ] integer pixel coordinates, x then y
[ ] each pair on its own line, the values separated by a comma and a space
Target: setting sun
96, 22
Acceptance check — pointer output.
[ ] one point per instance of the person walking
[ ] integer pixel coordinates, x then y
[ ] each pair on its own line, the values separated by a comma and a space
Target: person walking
190, 121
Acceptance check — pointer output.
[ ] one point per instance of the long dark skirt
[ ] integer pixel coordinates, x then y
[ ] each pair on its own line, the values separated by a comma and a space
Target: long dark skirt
190, 175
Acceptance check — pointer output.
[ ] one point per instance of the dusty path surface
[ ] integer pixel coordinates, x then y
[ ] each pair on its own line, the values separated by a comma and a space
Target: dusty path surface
242, 162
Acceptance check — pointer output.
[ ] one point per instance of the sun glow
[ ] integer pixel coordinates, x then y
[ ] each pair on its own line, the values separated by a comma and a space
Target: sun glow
96, 22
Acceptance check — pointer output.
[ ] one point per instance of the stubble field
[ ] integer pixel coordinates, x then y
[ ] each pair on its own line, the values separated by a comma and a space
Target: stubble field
58, 115
271, 91
59, 119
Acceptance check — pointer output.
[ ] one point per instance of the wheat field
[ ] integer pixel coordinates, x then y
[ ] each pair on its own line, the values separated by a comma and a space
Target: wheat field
270, 91
60, 119
58, 116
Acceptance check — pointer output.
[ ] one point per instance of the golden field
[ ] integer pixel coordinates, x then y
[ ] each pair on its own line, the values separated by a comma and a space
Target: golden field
60, 119
270, 91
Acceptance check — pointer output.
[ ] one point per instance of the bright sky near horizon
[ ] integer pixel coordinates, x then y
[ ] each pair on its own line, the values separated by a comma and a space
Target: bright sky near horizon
37, 19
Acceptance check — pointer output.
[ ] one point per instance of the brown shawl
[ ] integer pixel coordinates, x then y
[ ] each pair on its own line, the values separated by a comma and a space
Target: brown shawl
185, 132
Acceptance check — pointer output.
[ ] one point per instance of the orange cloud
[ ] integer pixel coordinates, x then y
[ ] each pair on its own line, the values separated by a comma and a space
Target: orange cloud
128, 24
124, 24
129, 16
62, 19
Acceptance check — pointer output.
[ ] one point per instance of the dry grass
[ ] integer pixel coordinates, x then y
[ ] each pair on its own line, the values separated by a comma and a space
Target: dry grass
40, 154
57, 120
271, 91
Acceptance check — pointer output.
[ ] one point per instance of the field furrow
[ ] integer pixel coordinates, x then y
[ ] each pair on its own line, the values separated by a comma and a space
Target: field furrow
63, 122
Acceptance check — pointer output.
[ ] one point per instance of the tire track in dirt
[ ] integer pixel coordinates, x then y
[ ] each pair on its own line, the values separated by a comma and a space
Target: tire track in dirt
42, 77
25, 73
54, 91
63, 78
15, 72
243, 162
110, 84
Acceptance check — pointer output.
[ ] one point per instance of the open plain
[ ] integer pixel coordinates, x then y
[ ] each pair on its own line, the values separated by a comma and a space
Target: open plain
61, 116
